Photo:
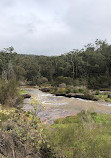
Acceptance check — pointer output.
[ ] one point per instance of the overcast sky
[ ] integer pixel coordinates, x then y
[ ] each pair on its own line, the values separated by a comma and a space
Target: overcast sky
52, 27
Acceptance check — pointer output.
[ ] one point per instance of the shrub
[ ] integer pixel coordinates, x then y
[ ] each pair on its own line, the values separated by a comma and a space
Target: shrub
43, 80
97, 93
80, 82
99, 82
62, 85
62, 90
68, 90
66, 80
89, 96
80, 89
86, 135
8, 91
76, 91
22, 134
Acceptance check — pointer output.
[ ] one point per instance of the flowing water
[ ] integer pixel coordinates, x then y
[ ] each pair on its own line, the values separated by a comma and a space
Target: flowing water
58, 106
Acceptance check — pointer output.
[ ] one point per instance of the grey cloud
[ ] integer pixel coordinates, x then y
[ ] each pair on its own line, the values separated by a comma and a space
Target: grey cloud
52, 27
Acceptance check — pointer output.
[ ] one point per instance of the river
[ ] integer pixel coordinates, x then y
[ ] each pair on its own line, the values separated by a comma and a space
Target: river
58, 107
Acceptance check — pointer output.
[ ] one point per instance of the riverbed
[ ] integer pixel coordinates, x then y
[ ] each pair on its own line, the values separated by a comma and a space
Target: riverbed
58, 107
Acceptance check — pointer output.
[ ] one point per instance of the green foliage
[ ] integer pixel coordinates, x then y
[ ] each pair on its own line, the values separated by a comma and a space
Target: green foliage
66, 80
61, 91
68, 90
103, 97
8, 91
97, 93
99, 82
26, 132
108, 99
89, 96
90, 66
80, 89
84, 135
22, 92
80, 82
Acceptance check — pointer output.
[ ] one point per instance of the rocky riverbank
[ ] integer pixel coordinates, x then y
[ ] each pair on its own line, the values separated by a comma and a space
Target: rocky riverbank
78, 92
58, 106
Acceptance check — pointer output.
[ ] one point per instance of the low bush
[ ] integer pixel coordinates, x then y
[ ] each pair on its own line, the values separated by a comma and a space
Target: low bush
22, 135
80, 89
97, 93
66, 80
61, 91
104, 97
68, 90
86, 135
8, 91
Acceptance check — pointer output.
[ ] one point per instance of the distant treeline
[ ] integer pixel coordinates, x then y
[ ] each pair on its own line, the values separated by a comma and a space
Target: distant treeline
90, 66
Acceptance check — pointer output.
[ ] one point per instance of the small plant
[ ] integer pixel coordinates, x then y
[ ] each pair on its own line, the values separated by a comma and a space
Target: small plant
68, 90
76, 91
97, 93
62, 90
37, 105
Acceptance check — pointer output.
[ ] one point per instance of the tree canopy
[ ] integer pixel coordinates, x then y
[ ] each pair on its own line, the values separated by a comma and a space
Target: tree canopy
93, 63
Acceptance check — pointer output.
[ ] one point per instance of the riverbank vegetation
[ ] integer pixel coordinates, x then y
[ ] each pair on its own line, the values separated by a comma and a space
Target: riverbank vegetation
84, 73
22, 135
84, 135
78, 92
9, 93
90, 67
